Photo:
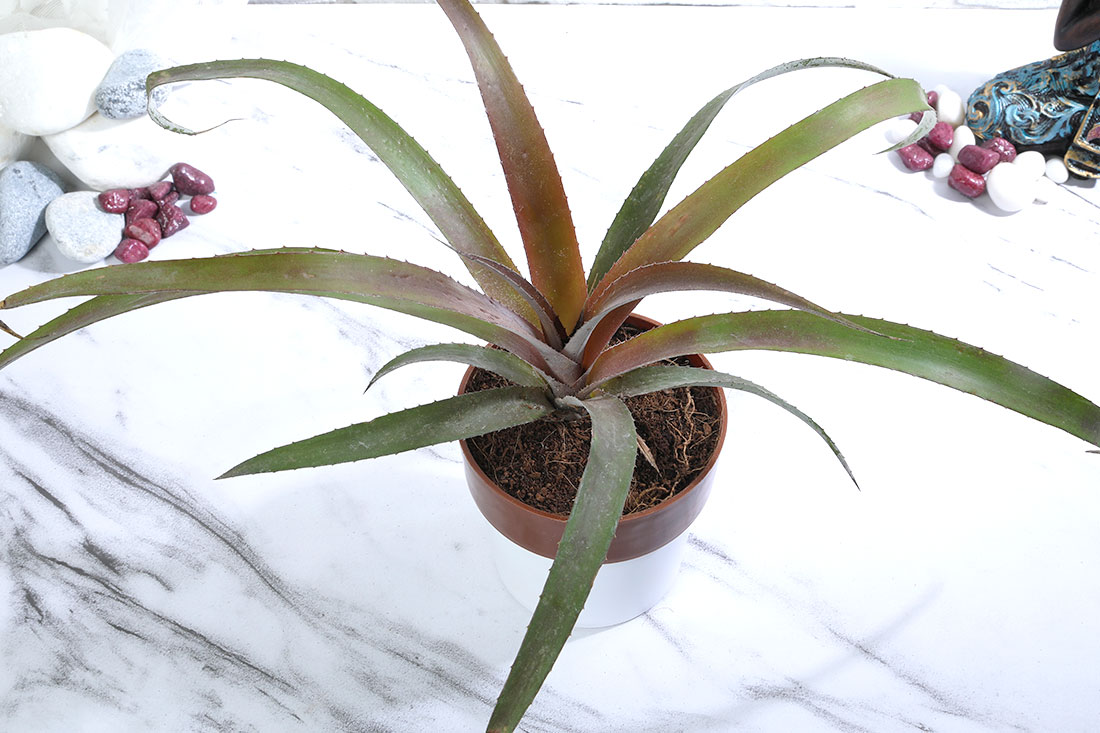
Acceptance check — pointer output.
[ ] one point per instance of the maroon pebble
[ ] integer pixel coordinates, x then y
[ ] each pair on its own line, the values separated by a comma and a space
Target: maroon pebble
203, 203
139, 193
1003, 148
190, 181
941, 136
159, 190
966, 181
131, 250
115, 201
927, 145
140, 209
932, 98
979, 160
147, 231
915, 157
171, 219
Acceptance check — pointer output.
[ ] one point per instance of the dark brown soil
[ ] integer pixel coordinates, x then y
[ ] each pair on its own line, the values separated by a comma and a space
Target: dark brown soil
541, 463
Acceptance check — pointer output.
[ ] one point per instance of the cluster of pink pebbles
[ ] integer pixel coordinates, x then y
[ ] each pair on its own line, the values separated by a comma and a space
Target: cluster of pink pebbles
973, 161
1012, 180
153, 213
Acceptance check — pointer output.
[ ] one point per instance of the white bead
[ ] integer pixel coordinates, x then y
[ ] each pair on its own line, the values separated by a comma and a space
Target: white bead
1010, 187
1032, 163
899, 129
942, 165
963, 136
1056, 170
950, 108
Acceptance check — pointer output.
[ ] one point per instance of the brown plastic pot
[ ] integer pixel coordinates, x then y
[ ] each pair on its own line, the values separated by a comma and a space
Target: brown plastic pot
638, 534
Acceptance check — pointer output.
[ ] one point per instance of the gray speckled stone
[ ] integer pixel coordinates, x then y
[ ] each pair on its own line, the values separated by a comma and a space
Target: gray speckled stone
26, 189
82, 230
121, 94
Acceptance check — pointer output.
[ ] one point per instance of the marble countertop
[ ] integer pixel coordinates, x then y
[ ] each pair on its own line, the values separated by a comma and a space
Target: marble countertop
958, 591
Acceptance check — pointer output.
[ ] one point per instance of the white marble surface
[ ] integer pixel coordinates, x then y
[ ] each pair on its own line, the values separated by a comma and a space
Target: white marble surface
959, 591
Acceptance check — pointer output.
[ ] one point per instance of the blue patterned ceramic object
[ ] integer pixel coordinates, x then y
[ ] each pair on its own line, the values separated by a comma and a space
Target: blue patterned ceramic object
1048, 106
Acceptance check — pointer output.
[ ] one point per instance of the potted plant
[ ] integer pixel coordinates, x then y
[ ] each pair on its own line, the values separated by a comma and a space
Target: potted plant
551, 337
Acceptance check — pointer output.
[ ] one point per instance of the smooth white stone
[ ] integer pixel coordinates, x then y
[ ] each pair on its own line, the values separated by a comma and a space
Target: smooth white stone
1045, 190
12, 145
899, 129
48, 78
107, 153
1056, 170
942, 165
1010, 187
963, 136
950, 108
1032, 163
82, 230
941, 88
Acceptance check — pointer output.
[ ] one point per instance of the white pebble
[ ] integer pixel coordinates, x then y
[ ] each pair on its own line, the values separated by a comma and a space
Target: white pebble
941, 88
963, 136
1045, 190
1010, 187
942, 165
1032, 163
48, 78
81, 229
1056, 170
950, 108
899, 129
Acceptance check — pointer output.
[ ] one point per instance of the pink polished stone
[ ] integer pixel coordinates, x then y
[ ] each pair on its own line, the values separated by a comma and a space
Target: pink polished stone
146, 231
139, 193
203, 203
140, 209
159, 190
131, 250
1002, 147
171, 219
915, 158
932, 98
966, 181
115, 201
941, 136
190, 181
979, 160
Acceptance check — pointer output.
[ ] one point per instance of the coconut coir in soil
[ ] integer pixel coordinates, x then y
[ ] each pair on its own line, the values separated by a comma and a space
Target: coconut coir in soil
541, 463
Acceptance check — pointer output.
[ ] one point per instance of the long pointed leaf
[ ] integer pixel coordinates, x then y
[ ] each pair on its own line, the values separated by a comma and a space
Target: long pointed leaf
658, 377
588, 533
664, 277
538, 198
695, 218
552, 329
455, 418
648, 195
500, 362
417, 171
910, 350
380, 281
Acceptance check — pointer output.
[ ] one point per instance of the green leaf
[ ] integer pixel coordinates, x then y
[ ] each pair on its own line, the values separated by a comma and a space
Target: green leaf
455, 418
902, 348
588, 533
497, 361
432, 189
552, 330
538, 198
648, 195
399, 286
664, 277
85, 314
695, 218
659, 377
